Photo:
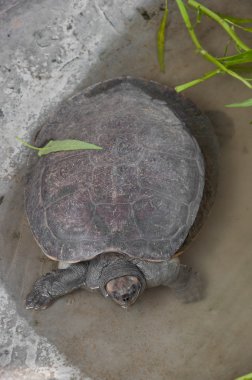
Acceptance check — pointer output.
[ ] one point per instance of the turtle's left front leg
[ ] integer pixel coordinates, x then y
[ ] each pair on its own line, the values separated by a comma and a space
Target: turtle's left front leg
55, 284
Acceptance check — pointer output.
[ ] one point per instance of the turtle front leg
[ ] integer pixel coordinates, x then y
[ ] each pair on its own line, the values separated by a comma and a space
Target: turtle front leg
184, 281
55, 284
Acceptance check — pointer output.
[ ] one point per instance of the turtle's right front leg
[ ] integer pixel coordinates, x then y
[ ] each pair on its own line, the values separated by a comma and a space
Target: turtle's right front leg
55, 284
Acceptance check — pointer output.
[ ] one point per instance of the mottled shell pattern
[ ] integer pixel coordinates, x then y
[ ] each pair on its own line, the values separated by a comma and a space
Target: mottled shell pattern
139, 195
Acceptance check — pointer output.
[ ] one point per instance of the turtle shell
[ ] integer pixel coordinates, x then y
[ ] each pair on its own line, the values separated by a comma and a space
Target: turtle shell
139, 196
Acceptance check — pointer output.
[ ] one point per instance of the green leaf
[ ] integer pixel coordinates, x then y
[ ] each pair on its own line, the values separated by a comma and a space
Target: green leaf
236, 20
238, 23
61, 145
161, 39
246, 103
243, 69
194, 82
221, 21
243, 28
246, 377
245, 57
185, 86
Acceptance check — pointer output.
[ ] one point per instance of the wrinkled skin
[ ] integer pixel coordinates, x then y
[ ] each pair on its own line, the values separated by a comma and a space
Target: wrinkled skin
124, 290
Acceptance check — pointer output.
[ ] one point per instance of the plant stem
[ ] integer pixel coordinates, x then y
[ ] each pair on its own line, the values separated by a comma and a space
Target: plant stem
210, 58
188, 24
28, 145
200, 49
192, 83
221, 22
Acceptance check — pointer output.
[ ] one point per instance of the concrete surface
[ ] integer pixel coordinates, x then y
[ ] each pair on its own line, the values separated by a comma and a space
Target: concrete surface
48, 51
24, 354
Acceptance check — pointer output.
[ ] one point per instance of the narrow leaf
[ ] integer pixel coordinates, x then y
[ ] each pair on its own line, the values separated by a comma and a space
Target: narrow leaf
246, 377
246, 103
187, 85
236, 20
245, 57
220, 20
243, 28
238, 23
161, 39
244, 69
194, 82
61, 145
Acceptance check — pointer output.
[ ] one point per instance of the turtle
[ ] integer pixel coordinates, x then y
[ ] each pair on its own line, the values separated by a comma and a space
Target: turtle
117, 219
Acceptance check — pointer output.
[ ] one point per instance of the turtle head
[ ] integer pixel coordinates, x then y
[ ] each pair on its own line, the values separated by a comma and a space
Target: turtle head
124, 290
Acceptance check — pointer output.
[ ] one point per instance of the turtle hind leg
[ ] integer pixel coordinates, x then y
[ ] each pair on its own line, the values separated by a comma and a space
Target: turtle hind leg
55, 284
188, 286
184, 281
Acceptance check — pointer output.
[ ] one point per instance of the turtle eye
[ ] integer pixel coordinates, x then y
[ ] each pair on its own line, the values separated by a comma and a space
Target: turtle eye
115, 295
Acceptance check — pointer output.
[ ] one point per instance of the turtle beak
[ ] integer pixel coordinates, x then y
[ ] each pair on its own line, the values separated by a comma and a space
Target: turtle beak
128, 299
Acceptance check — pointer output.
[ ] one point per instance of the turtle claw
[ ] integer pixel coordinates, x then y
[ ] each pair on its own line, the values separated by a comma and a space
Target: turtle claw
39, 297
37, 301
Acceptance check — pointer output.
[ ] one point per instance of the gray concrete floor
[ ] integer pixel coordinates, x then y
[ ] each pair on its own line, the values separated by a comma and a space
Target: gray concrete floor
49, 50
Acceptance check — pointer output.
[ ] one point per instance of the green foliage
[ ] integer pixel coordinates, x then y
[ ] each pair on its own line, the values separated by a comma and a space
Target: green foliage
246, 377
187, 85
246, 103
237, 59
238, 22
234, 65
161, 38
61, 145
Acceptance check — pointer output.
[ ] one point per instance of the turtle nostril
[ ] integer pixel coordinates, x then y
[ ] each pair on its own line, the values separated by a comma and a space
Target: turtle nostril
125, 298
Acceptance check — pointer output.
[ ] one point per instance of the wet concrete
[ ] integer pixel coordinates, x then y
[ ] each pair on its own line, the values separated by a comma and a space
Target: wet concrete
159, 338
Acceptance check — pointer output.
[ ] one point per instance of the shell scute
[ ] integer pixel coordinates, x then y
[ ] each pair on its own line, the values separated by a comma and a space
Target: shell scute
64, 175
70, 218
164, 214
113, 184
173, 177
